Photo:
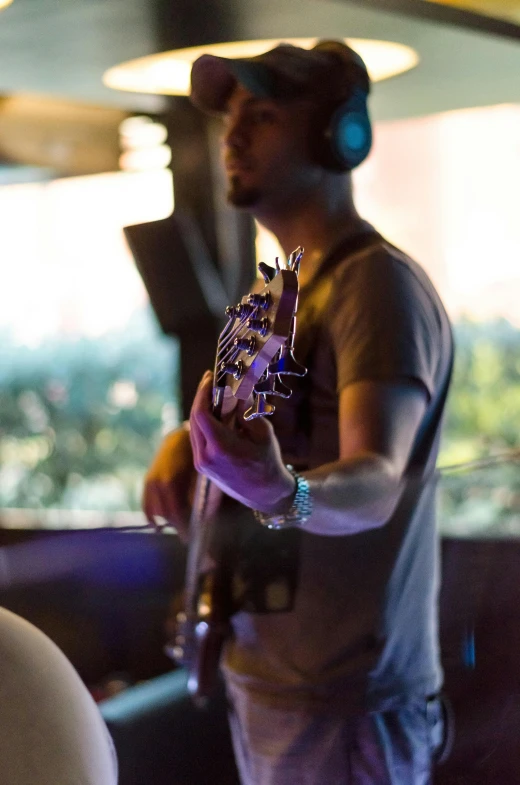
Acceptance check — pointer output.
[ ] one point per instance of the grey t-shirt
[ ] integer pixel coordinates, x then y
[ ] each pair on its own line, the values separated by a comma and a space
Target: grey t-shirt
345, 623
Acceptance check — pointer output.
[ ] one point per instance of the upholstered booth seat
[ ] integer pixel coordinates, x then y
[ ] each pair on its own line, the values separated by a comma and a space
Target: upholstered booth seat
162, 738
51, 731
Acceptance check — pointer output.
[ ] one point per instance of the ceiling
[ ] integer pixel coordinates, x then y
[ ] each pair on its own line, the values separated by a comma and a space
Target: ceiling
61, 48
497, 9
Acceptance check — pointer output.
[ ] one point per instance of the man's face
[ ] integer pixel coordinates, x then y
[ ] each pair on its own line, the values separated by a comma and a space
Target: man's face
265, 151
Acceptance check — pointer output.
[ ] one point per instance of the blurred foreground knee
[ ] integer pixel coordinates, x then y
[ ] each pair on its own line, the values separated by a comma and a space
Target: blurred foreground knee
52, 731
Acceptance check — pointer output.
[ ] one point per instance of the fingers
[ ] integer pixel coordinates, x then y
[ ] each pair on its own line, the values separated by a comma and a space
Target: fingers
208, 435
152, 504
198, 445
259, 430
161, 501
200, 413
210, 438
167, 486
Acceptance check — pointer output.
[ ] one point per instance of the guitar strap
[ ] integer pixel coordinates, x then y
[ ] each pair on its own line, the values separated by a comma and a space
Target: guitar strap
314, 296
347, 247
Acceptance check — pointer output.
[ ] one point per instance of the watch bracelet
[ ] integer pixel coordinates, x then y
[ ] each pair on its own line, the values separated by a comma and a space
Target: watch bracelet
299, 511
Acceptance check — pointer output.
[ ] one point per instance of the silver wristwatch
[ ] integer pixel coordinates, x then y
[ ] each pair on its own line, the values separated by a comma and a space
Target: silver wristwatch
299, 510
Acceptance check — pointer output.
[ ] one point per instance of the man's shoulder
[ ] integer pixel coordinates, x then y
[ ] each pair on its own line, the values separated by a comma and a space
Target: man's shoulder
380, 256
385, 268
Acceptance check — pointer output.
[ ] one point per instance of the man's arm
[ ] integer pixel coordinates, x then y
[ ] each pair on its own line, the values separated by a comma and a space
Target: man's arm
169, 482
378, 423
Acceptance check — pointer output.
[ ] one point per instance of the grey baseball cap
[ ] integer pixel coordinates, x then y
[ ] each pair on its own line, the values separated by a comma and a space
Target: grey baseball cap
328, 71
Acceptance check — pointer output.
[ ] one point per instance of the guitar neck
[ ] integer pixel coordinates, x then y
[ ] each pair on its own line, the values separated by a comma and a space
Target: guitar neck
206, 502
254, 349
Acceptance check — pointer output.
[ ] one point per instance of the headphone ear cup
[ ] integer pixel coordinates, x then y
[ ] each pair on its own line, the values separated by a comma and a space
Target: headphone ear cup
344, 137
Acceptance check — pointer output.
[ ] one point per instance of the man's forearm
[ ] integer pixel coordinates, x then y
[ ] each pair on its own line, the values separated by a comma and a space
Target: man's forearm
351, 496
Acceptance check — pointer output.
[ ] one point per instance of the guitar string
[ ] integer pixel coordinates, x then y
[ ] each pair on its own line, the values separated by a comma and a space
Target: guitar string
224, 346
232, 351
252, 314
238, 327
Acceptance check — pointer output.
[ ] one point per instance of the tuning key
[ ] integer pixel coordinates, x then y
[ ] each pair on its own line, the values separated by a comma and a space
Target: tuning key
260, 300
236, 369
260, 326
242, 310
260, 408
273, 385
247, 345
267, 272
295, 259
287, 364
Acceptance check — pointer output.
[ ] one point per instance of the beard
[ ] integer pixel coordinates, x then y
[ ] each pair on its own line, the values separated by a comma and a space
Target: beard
242, 196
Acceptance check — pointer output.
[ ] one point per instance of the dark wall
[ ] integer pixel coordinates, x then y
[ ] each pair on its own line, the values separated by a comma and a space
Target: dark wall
104, 597
480, 637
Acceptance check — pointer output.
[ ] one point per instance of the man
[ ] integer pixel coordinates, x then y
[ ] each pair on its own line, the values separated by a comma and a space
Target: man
332, 669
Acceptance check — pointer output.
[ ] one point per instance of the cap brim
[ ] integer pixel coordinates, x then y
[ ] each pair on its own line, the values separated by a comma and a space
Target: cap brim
213, 79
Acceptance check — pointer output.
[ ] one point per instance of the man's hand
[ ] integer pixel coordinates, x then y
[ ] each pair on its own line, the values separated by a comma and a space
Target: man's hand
244, 460
170, 481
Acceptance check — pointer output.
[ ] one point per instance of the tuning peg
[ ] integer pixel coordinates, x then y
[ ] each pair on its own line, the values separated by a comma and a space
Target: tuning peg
247, 345
267, 272
236, 369
260, 300
286, 364
295, 259
273, 385
260, 326
260, 408
242, 310
231, 312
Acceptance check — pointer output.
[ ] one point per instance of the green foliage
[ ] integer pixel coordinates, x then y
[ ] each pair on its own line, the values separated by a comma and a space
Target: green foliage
81, 418
482, 423
81, 421
483, 412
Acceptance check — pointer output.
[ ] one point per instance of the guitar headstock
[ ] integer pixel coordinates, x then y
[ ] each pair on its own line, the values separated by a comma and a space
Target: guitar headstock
255, 347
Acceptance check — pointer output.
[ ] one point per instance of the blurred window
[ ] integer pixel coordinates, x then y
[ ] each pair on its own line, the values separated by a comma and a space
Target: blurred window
87, 380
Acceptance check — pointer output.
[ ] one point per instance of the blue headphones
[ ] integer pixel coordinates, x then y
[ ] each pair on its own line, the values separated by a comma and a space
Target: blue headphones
342, 133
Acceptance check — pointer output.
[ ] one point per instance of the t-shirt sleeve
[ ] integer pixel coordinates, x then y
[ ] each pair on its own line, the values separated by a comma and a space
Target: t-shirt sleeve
384, 323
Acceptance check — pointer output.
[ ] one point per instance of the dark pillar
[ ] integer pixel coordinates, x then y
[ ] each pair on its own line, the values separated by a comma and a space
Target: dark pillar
219, 240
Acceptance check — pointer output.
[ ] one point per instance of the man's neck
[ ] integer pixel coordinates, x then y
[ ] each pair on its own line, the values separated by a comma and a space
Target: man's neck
316, 228
317, 235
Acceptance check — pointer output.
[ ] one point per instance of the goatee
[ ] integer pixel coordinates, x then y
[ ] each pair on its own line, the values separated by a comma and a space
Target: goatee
242, 197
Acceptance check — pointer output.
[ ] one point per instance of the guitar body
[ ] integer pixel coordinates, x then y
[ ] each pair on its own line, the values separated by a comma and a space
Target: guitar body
204, 625
254, 349
210, 637
205, 640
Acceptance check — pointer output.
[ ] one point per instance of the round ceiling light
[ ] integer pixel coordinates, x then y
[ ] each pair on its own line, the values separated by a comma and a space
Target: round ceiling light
168, 73
5, 3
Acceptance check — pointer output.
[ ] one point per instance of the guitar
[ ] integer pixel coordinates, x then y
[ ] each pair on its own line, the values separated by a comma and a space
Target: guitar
254, 350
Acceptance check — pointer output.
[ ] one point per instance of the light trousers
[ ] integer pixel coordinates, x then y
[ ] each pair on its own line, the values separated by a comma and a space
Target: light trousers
274, 747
